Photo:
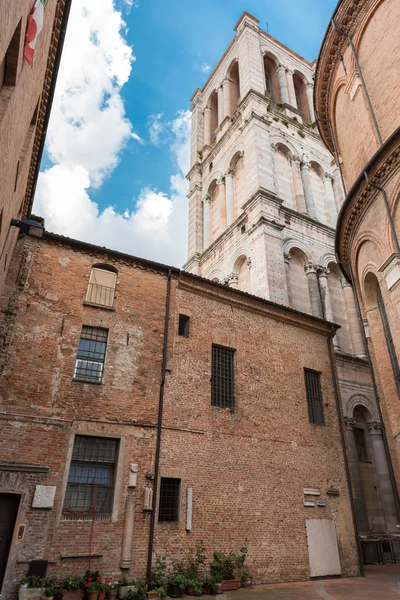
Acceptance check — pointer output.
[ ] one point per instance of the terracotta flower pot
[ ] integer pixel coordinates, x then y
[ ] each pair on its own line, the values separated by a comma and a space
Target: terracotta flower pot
220, 588
93, 595
230, 584
72, 594
102, 595
152, 596
247, 583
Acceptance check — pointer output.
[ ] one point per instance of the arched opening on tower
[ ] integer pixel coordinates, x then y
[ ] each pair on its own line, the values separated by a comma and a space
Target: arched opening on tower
242, 270
271, 77
284, 175
300, 82
318, 193
213, 122
218, 209
234, 87
338, 304
298, 292
239, 182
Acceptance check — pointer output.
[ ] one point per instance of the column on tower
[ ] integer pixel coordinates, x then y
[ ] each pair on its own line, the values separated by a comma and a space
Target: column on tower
323, 273
286, 257
206, 222
356, 336
227, 94
195, 241
310, 100
292, 93
308, 194
313, 289
220, 104
383, 476
298, 185
229, 199
281, 71
330, 198
207, 125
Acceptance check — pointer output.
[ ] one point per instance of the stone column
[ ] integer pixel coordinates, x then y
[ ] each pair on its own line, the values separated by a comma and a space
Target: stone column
281, 71
287, 256
298, 186
207, 126
308, 195
232, 280
276, 188
220, 104
227, 97
323, 273
359, 499
230, 207
384, 482
357, 340
309, 93
127, 538
330, 199
292, 93
312, 280
206, 222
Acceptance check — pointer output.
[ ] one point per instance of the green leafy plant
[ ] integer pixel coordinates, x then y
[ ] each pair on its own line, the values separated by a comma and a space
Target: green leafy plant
301, 133
224, 565
33, 581
197, 585
160, 591
49, 592
285, 122
158, 575
178, 579
72, 583
245, 575
195, 562
209, 584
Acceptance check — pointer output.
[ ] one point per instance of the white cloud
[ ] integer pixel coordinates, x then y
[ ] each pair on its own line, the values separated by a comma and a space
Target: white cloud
157, 129
205, 68
89, 129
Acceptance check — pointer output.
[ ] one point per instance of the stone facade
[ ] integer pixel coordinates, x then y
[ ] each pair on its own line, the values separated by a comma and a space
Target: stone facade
264, 197
24, 95
247, 468
357, 92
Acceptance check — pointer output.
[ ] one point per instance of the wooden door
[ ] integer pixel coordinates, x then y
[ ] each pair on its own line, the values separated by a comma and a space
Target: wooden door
9, 504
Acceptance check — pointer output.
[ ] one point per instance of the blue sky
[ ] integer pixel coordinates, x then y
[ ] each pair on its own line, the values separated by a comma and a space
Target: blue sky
109, 175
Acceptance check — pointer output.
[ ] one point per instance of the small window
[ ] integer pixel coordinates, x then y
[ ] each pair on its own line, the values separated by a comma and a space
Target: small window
314, 397
183, 328
89, 363
9, 62
101, 288
91, 479
359, 435
210, 166
243, 229
170, 490
223, 377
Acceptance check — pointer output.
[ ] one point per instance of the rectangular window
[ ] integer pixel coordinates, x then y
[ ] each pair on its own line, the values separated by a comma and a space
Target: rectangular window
183, 328
223, 377
314, 397
170, 490
90, 485
91, 354
359, 436
9, 62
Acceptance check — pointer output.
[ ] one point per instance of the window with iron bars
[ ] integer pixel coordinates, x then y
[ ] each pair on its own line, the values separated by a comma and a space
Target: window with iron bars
90, 486
223, 377
389, 339
101, 287
314, 397
170, 491
89, 363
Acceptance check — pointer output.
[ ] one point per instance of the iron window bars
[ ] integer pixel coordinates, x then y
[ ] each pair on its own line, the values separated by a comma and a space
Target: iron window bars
389, 339
223, 377
91, 476
314, 397
91, 354
168, 510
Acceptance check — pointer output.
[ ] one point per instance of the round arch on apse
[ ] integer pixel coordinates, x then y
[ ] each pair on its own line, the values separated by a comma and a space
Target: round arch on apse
366, 236
360, 32
361, 400
291, 244
241, 252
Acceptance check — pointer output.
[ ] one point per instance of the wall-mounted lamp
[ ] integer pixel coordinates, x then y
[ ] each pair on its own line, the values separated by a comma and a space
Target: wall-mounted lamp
28, 226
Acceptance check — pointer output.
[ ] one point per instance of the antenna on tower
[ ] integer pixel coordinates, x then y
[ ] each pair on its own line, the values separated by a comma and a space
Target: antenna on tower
267, 26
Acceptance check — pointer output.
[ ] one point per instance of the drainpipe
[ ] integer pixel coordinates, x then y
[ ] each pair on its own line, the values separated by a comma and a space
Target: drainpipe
343, 444
335, 148
159, 430
353, 50
375, 388
389, 214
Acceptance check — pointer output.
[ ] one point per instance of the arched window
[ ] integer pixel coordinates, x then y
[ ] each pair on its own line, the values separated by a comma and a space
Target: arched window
283, 166
389, 338
213, 103
318, 193
299, 294
299, 83
271, 78
101, 287
234, 87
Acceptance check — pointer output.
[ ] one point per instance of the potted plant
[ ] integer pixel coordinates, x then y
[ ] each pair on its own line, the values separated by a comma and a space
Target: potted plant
247, 580
92, 589
31, 588
194, 587
48, 593
156, 593
125, 587
218, 582
136, 592
158, 574
101, 588
111, 589
72, 588
224, 565
209, 587
176, 584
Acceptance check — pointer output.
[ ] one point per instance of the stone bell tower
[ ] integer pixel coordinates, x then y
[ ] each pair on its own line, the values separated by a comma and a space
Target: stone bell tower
264, 196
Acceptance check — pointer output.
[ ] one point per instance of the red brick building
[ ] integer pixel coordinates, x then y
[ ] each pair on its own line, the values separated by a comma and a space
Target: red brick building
25, 101
357, 99
251, 446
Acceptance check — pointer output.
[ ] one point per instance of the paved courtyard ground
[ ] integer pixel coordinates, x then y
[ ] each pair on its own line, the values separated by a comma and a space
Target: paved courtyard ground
380, 583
